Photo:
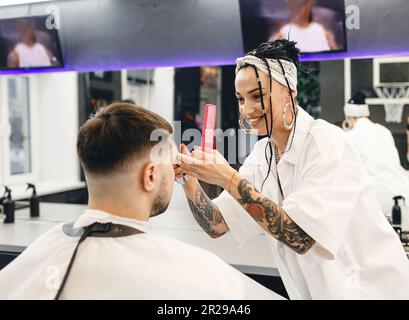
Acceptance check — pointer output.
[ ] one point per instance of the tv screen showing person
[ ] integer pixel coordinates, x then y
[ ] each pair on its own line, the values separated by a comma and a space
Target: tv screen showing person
316, 26
29, 44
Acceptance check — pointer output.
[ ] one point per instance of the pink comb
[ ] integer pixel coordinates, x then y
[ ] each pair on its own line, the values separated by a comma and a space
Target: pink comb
209, 126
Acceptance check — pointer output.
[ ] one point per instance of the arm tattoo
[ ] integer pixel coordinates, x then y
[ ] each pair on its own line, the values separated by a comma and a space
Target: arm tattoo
274, 218
207, 215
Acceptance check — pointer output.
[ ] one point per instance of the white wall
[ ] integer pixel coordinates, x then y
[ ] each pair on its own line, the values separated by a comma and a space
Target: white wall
58, 123
162, 92
157, 97
58, 118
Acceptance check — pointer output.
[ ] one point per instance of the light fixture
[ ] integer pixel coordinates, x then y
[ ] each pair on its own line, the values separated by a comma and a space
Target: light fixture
16, 2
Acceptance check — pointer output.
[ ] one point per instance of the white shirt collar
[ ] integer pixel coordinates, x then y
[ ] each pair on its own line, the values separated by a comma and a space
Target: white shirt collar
90, 216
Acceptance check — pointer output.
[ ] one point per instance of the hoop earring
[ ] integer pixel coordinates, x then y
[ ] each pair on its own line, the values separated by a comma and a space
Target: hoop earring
346, 125
242, 126
286, 126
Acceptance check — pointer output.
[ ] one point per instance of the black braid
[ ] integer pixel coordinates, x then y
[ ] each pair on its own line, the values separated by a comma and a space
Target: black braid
270, 161
260, 89
279, 49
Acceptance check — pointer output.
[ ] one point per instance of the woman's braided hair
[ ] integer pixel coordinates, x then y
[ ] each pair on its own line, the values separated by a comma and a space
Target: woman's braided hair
277, 50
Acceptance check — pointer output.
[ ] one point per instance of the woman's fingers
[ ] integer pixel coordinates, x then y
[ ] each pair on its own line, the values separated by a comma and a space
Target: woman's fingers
193, 167
209, 150
198, 154
194, 175
188, 163
206, 157
178, 172
211, 157
184, 150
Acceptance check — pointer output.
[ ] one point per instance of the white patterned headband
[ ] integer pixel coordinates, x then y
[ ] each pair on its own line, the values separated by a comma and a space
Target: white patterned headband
275, 69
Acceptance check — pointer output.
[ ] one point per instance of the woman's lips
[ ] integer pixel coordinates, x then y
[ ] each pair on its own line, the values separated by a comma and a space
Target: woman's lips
254, 122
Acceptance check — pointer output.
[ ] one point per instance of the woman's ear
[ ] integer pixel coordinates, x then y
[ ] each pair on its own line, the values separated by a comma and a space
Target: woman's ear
149, 177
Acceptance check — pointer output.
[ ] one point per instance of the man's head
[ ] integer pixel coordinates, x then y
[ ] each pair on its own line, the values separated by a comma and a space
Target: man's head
115, 150
355, 109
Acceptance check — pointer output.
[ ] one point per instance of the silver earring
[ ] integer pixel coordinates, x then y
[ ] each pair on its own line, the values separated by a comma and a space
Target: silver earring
248, 129
291, 125
243, 126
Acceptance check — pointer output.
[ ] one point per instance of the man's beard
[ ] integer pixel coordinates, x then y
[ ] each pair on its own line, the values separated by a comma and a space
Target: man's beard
159, 206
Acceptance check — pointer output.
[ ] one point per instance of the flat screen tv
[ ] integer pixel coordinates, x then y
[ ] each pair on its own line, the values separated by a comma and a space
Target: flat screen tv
27, 43
318, 26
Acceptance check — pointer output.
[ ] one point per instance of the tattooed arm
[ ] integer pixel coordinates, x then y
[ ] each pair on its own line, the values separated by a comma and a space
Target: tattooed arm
270, 216
213, 168
206, 213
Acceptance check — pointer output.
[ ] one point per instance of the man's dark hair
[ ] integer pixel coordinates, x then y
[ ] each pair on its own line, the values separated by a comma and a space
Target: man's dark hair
128, 101
117, 134
359, 97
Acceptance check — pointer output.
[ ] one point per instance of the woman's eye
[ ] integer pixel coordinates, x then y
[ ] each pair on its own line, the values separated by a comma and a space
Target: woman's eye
257, 97
240, 100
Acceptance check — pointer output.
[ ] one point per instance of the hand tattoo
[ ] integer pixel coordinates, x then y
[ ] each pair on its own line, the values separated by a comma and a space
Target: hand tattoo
273, 218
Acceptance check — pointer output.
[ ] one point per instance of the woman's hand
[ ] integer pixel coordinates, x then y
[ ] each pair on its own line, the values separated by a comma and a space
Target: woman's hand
191, 184
205, 212
209, 166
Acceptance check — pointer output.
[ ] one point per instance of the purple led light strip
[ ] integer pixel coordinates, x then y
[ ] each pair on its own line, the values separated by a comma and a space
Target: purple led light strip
199, 62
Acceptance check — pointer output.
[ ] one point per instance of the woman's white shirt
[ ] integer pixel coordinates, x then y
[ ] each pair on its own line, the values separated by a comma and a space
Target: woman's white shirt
327, 192
32, 56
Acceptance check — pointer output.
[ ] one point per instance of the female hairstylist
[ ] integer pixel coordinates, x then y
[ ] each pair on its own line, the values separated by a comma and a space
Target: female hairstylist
303, 187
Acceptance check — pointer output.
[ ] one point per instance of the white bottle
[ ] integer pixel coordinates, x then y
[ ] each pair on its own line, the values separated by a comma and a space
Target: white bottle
405, 217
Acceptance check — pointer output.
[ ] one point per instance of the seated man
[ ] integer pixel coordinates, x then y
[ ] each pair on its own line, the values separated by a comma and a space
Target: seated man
109, 253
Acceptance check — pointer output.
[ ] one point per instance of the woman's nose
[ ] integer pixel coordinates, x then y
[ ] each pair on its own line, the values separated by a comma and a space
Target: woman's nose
247, 109
250, 110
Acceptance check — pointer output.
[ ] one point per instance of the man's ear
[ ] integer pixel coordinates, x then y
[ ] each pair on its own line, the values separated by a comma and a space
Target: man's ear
149, 176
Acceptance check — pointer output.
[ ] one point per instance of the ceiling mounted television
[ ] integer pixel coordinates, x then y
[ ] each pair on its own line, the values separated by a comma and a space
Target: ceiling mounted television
27, 43
318, 26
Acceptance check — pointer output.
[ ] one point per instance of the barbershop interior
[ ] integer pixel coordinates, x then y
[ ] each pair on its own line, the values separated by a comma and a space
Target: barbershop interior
281, 167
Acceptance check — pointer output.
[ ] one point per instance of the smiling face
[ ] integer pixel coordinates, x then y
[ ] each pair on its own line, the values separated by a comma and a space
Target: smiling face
249, 99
